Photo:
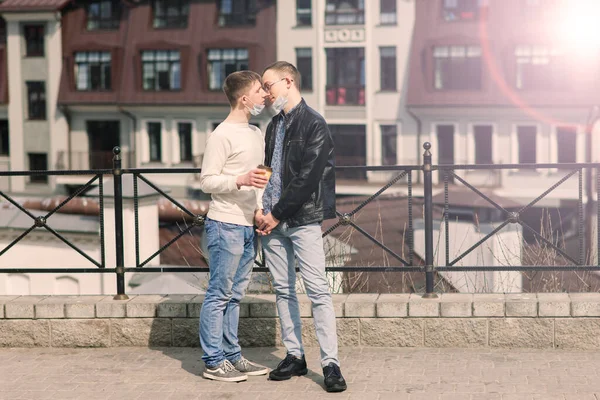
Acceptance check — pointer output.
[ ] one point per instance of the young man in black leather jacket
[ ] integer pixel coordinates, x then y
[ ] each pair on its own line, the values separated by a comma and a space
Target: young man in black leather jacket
299, 196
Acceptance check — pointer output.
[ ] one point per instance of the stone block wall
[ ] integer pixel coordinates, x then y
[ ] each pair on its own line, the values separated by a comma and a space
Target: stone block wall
404, 320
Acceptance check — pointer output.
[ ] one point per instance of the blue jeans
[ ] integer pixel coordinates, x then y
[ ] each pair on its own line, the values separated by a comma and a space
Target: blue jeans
283, 247
231, 253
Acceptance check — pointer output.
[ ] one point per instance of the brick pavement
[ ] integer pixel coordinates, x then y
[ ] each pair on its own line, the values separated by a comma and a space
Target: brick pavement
372, 373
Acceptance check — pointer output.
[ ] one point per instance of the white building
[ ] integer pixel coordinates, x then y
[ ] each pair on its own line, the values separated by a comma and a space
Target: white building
353, 57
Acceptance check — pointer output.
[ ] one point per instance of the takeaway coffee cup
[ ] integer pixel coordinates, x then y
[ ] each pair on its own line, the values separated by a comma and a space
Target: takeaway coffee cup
268, 170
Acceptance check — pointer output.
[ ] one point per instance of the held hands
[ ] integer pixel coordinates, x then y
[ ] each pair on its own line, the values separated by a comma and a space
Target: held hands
256, 178
265, 223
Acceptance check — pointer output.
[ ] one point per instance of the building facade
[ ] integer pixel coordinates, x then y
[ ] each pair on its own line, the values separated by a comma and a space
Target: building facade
89, 75
496, 82
353, 57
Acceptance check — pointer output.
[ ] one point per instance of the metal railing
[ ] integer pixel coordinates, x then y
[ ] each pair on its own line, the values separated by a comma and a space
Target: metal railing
405, 175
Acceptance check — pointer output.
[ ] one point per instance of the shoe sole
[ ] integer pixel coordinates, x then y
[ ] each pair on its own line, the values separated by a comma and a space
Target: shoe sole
285, 378
336, 388
222, 379
258, 373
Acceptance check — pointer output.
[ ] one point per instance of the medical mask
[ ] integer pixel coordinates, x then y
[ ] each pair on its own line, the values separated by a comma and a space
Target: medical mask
279, 104
256, 109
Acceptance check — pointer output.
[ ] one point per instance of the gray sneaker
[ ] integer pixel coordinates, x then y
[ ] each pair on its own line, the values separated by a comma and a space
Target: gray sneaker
224, 372
250, 368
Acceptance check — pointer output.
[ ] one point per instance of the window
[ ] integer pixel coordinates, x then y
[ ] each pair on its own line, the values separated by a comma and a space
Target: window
38, 162
346, 76
4, 138
103, 14
389, 150
222, 62
303, 12
93, 70
350, 149
457, 10
170, 13
155, 141
304, 65
185, 141
388, 68
34, 40
36, 96
457, 67
483, 144
566, 144
527, 144
345, 12
387, 12
237, 12
540, 68
161, 70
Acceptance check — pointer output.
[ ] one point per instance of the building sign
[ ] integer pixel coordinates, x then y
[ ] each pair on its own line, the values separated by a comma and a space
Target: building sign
344, 35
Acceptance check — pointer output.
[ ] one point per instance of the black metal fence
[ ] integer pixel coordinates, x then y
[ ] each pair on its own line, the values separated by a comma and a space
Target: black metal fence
405, 175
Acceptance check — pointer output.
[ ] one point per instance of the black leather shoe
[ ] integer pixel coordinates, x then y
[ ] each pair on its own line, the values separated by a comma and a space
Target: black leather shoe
334, 381
290, 366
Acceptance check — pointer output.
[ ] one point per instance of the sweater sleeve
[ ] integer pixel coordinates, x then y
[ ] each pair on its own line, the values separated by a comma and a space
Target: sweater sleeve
216, 153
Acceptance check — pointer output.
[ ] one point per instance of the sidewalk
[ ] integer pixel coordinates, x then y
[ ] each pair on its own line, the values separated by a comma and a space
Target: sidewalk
372, 373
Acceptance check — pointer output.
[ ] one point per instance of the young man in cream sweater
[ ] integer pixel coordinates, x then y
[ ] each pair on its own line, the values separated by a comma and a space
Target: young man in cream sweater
230, 174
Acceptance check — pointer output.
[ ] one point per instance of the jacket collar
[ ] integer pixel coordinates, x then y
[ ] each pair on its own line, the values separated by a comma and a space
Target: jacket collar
291, 115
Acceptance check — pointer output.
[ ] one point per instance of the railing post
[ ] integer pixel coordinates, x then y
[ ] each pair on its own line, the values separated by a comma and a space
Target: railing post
428, 198
120, 269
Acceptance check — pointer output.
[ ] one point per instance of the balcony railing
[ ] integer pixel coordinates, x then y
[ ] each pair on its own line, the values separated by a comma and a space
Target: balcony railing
347, 95
505, 215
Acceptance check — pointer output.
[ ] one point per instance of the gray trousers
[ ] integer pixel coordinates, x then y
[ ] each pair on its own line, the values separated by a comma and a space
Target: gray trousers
282, 248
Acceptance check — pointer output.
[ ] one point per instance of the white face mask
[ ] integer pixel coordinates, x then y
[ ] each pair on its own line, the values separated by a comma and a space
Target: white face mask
279, 104
256, 109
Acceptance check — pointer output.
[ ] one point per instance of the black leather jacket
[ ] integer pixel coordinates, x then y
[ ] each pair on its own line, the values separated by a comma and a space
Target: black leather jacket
308, 167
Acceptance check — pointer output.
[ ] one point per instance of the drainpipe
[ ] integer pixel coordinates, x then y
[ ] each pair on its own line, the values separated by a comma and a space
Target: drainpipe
419, 128
593, 117
134, 142
65, 111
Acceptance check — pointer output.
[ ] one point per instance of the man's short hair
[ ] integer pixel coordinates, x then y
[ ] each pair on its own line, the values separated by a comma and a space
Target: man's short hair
284, 67
238, 82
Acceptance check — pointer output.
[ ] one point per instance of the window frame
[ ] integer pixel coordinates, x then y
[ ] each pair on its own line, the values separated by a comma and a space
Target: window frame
223, 65
477, 159
332, 13
384, 134
178, 21
191, 141
392, 85
4, 138
471, 52
39, 49
42, 114
241, 13
518, 138
335, 58
555, 60
564, 130
104, 23
301, 12
101, 63
389, 11
158, 135
42, 179
156, 72
306, 80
